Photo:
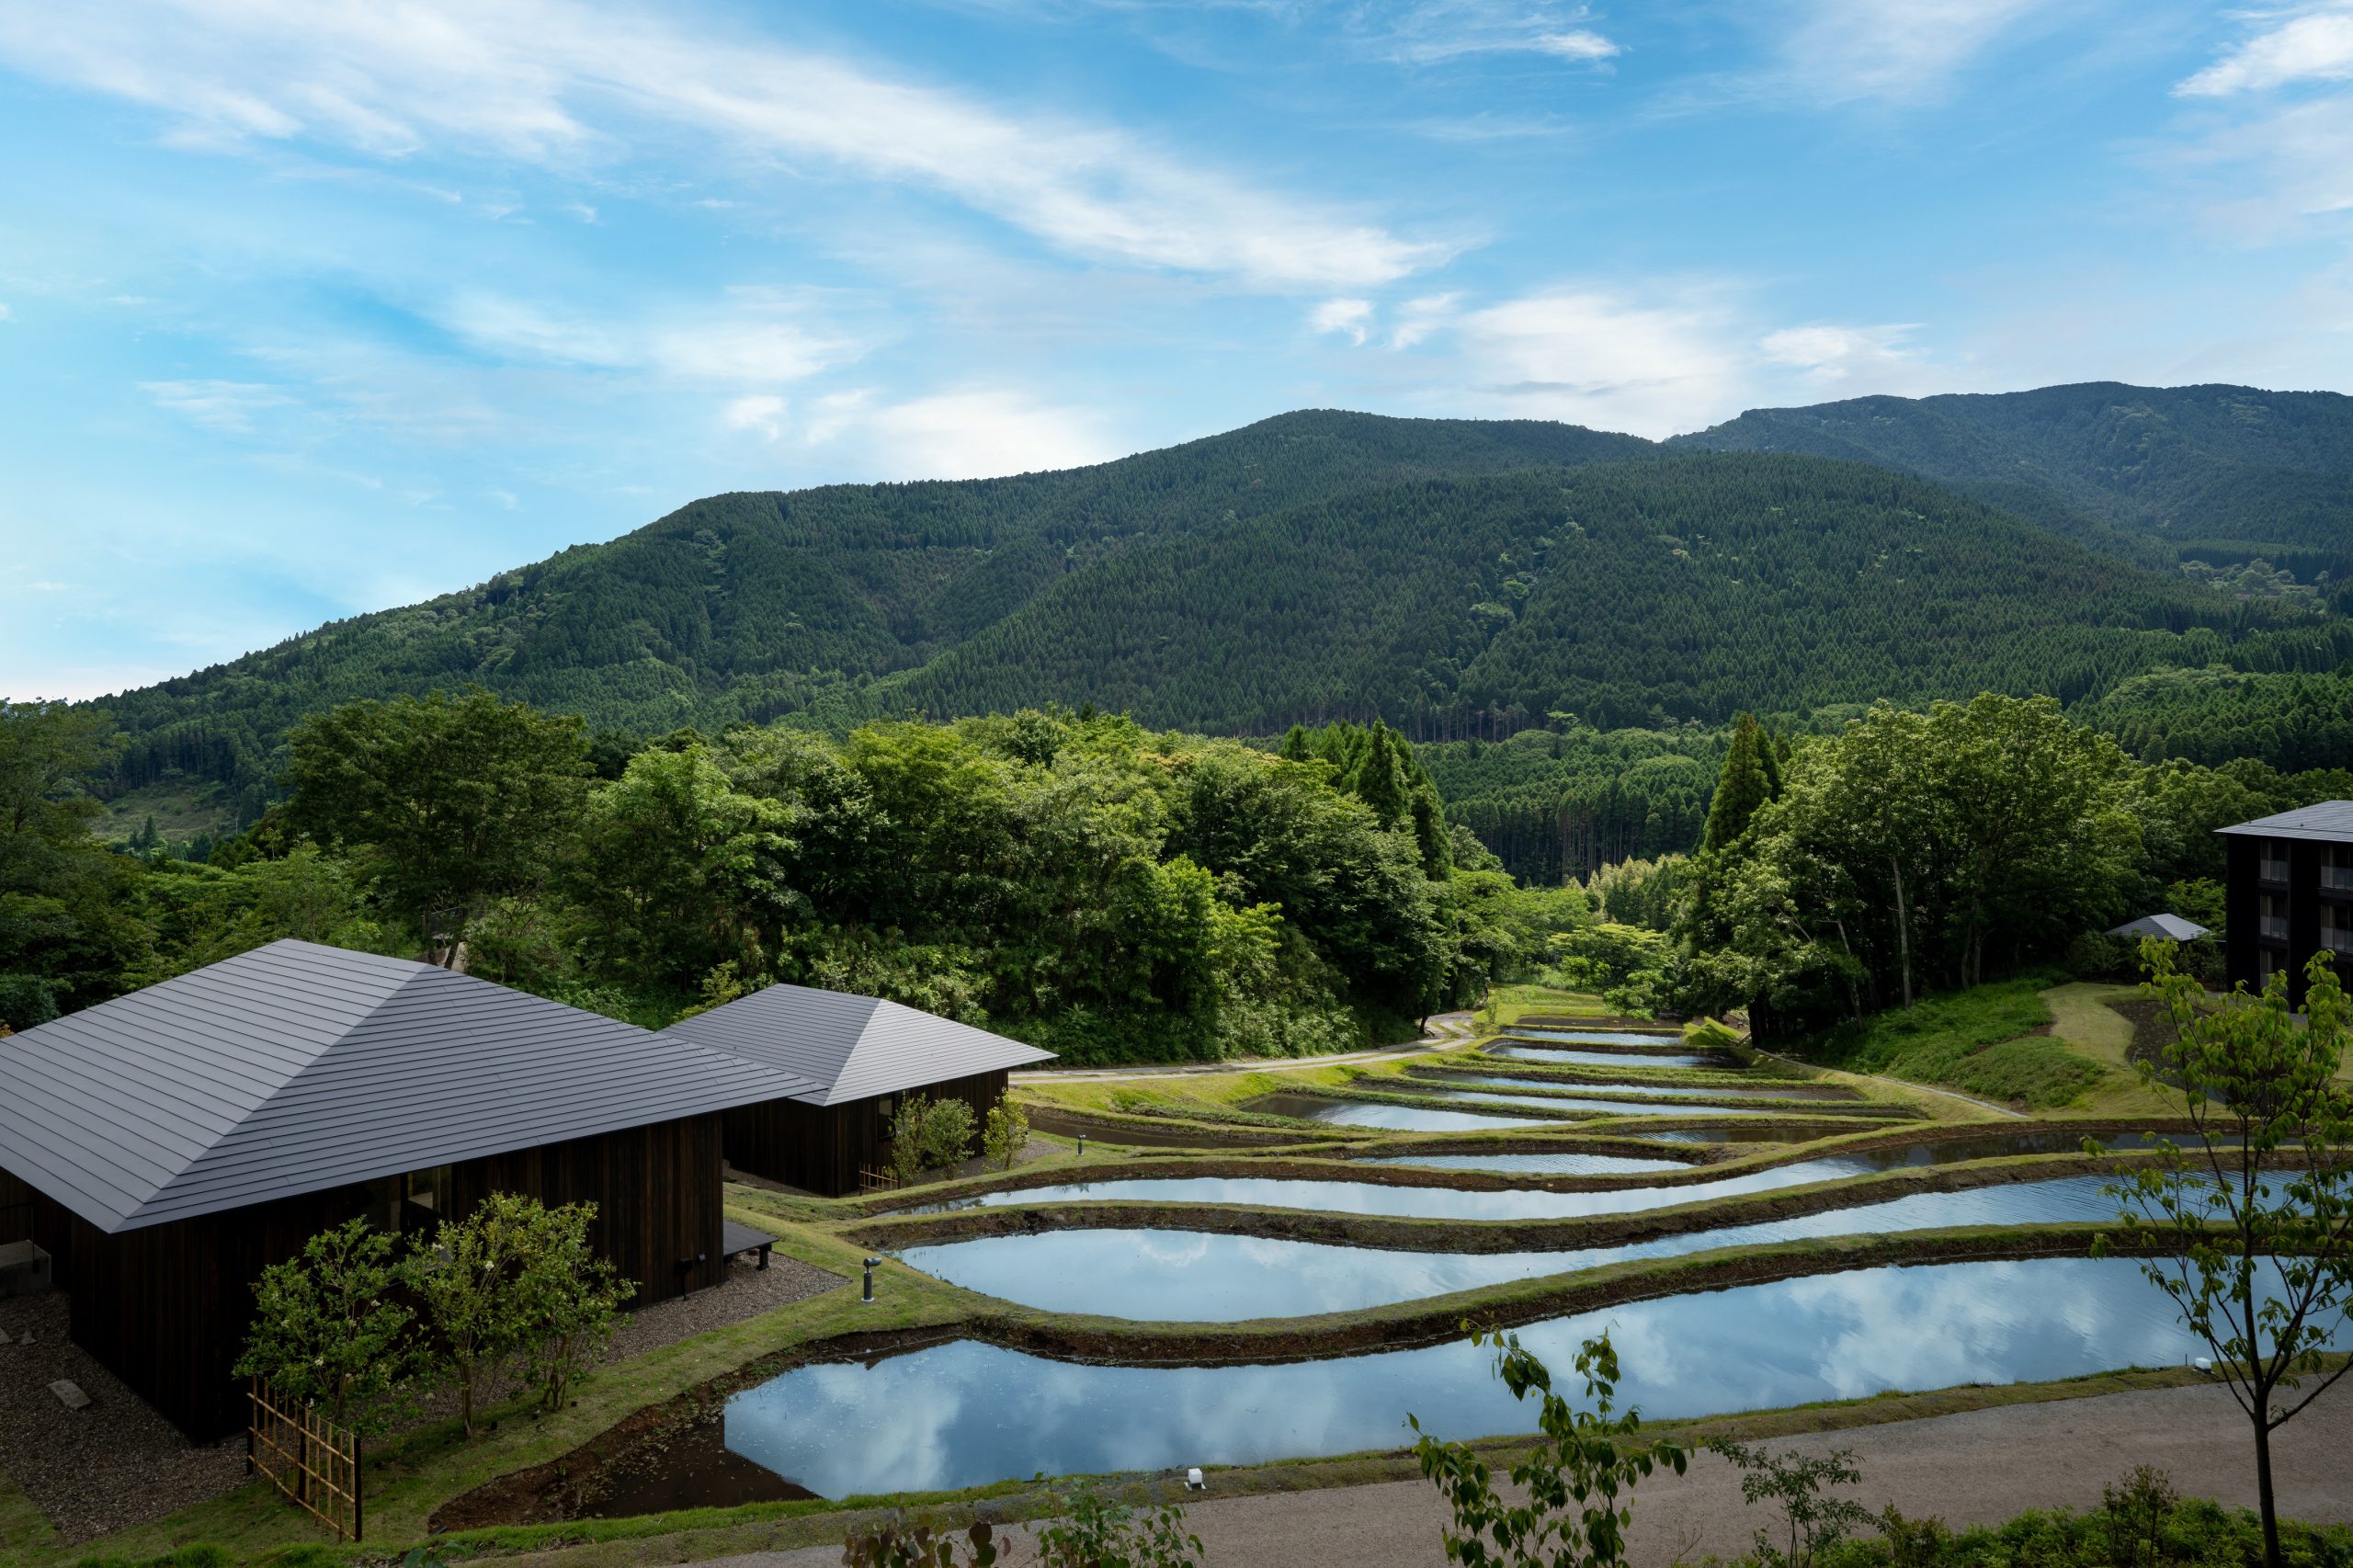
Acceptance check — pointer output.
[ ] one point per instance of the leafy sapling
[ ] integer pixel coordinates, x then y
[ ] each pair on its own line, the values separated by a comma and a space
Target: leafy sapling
1795, 1481
1577, 1477
2249, 1225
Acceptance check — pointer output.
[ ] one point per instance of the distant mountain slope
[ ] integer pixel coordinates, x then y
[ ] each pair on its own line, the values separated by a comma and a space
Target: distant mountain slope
1627, 593
1462, 577
752, 606
2206, 472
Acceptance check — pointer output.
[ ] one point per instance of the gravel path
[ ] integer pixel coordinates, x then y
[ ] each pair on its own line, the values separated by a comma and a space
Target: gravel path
1977, 1468
118, 1463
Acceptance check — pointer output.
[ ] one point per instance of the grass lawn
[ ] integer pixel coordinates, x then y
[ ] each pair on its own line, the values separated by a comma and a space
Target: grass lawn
1514, 1002
2083, 1020
1982, 1042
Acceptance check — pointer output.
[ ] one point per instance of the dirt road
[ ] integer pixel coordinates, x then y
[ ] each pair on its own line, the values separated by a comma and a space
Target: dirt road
1972, 1469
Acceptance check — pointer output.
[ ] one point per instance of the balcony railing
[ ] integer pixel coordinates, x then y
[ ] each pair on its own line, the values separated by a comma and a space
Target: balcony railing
2337, 938
2339, 877
2275, 929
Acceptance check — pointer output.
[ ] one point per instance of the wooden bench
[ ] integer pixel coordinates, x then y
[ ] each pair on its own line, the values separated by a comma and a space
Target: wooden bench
736, 1239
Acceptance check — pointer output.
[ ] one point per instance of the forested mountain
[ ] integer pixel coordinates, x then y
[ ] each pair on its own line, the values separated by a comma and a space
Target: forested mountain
1623, 593
2214, 474
755, 606
1460, 578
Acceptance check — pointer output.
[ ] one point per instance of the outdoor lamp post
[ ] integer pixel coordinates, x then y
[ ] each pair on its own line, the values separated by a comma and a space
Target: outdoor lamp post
871, 1264
1082, 1145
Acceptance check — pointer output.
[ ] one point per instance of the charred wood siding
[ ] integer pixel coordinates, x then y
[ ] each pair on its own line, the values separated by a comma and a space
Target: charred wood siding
822, 1148
656, 1190
165, 1307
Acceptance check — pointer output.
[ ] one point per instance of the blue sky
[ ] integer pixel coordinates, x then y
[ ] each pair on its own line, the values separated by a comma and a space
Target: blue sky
309, 308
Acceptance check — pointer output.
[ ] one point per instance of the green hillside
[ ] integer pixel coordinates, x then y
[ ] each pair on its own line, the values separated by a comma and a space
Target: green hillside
2213, 474
1462, 578
1626, 594
756, 605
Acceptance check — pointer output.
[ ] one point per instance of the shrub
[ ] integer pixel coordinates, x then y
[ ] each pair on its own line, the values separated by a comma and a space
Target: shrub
1090, 1530
948, 1127
332, 1331
1006, 1134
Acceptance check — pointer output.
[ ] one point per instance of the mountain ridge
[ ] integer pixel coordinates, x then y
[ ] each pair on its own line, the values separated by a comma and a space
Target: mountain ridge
840, 603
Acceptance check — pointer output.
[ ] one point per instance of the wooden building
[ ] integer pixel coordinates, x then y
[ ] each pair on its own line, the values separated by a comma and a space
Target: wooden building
2287, 894
166, 1146
864, 1055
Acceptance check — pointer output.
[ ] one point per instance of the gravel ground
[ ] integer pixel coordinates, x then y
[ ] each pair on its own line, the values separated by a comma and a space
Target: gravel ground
120, 1463
1977, 1468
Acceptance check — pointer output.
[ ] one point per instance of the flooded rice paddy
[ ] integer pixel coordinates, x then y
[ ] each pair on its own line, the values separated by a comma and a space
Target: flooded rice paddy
1672, 1091
1560, 1163
1201, 1277
964, 1414
1597, 1037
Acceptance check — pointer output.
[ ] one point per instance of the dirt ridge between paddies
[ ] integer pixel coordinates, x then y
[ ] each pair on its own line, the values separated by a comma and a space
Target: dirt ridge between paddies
1397, 1232
1703, 1163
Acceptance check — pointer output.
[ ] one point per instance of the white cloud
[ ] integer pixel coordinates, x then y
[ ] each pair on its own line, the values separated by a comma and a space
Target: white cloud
1352, 318
1417, 319
753, 344
759, 413
2316, 46
1598, 357
1842, 52
1425, 32
570, 85
7, 314
1829, 355
970, 433
227, 406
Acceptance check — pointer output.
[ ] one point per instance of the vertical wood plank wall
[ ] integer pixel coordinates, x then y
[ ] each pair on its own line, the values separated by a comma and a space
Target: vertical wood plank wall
822, 1148
166, 1308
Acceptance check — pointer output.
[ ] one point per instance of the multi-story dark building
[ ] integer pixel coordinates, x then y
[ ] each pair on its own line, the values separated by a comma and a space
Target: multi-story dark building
2289, 894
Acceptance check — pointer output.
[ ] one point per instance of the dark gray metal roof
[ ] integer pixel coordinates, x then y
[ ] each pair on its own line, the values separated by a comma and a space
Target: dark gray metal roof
2168, 925
295, 1068
853, 1046
2330, 821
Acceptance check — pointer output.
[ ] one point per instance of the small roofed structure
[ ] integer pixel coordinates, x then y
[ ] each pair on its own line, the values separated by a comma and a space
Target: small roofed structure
864, 1055
165, 1146
2172, 927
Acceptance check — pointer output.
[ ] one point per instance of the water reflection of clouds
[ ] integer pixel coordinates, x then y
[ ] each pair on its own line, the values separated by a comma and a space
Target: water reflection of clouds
1196, 1276
965, 1414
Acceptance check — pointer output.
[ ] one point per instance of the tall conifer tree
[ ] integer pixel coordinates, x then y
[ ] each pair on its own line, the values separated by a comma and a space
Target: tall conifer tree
1743, 787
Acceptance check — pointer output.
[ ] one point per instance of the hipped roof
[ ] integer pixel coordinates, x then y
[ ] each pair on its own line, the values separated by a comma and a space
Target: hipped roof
855, 1047
2330, 821
296, 1068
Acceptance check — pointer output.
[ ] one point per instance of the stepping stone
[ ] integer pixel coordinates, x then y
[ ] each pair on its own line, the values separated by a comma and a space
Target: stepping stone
4, 1337
70, 1394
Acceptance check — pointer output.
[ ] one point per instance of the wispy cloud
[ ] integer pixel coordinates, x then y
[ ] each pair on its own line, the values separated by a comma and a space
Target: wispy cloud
227, 406
750, 342
573, 87
1829, 356
1895, 51
2311, 45
1426, 32
762, 414
1350, 318
980, 432
2276, 149
1602, 356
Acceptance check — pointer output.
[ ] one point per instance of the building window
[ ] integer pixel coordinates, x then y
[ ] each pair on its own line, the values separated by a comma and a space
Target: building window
2337, 928
414, 1204
2273, 923
2336, 867
2275, 862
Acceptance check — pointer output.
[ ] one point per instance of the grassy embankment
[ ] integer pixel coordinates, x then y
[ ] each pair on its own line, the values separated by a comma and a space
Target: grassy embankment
1506, 1005
2025, 1043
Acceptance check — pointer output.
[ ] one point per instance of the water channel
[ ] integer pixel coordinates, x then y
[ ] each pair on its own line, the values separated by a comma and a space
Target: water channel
964, 1414
1201, 1276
